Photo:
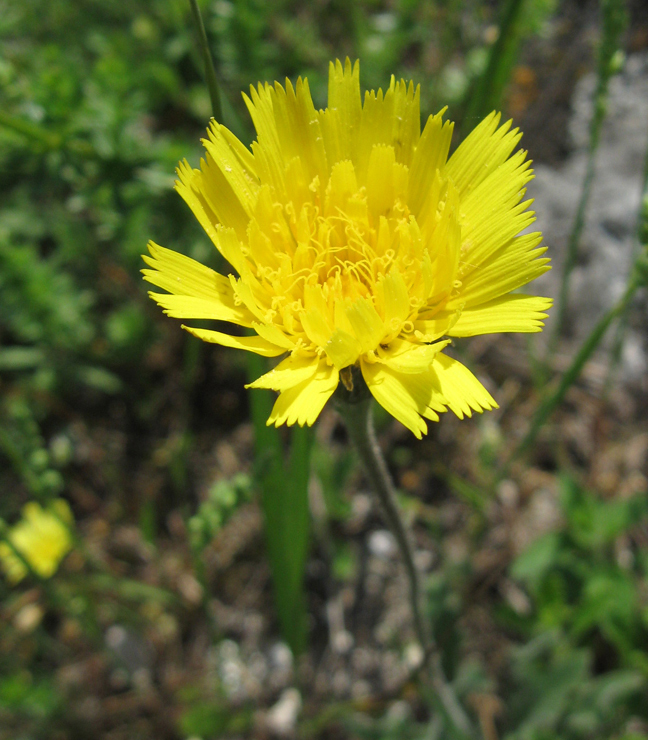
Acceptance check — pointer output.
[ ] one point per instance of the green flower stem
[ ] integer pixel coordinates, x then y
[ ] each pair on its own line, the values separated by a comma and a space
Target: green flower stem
358, 418
210, 74
356, 410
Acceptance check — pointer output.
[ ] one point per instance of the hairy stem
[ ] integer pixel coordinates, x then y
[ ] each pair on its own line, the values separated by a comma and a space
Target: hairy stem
359, 422
358, 418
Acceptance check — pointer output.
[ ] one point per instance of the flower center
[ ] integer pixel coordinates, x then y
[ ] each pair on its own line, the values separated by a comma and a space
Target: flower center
327, 248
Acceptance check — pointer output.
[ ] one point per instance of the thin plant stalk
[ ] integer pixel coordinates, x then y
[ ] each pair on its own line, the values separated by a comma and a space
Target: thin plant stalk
358, 418
210, 73
613, 24
487, 91
575, 234
641, 239
550, 403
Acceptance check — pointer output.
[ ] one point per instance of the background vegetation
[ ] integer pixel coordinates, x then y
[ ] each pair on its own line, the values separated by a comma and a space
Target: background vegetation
146, 432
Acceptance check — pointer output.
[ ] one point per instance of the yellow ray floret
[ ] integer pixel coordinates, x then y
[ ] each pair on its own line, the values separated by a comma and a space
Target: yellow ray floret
354, 239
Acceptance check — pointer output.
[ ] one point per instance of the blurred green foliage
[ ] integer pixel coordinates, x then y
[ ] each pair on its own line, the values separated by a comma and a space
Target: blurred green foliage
559, 696
22, 443
29, 708
588, 621
586, 576
223, 498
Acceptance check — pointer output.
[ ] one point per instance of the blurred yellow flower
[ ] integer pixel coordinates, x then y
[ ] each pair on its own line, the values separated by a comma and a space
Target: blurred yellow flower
42, 537
358, 242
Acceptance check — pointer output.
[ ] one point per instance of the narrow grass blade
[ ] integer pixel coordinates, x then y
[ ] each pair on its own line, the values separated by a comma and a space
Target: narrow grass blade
284, 500
210, 73
613, 21
485, 95
638, 279
641, 239
549, 404
222, 109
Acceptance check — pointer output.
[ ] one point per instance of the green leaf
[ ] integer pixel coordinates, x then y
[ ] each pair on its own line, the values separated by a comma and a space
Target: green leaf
284, 500
537, 559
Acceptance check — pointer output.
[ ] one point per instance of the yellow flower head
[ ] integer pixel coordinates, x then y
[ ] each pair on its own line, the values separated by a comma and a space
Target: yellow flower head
357, 242
43, 539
